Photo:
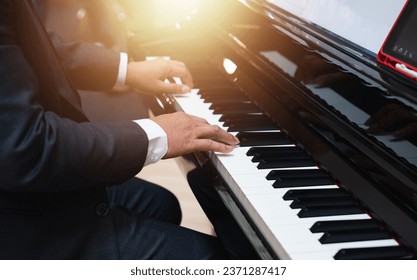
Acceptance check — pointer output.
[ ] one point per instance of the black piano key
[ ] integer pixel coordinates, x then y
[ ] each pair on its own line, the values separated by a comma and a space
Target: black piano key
248, 139
273, 150
230, 118
267, 123
250, 126
354, 235
301, 173
276, 163
219, 93
323, 202
251, 121
232, 98
240, 108
213, 83
374, 253
308, 212
235, 111
324, 226
294, 194
303, 182
227, 105
278, 156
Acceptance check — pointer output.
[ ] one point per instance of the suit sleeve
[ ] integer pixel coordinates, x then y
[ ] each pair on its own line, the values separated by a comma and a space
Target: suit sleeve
43, 152
85, 64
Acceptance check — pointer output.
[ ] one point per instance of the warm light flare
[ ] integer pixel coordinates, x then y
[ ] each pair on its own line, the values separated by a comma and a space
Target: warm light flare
167, 12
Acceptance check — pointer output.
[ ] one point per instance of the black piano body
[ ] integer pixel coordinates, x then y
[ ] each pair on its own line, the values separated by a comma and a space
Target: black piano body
352, 117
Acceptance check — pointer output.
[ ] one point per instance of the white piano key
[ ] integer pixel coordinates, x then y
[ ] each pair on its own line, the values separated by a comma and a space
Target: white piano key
332, 249
307, 223
325, 255
287, 226
269, 204
259, 184
192, 104
239, 163
294, 233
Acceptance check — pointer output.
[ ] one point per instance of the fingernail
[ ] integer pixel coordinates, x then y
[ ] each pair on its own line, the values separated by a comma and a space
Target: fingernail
185, 89
229, 148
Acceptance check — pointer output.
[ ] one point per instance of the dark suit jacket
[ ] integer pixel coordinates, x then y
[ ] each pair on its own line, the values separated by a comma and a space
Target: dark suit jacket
54, 163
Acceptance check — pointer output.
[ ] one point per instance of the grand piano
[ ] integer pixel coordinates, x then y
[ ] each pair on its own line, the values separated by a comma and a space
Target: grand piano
327, 165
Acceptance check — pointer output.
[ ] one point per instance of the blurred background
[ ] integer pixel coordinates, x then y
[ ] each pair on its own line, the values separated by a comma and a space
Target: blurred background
102, 19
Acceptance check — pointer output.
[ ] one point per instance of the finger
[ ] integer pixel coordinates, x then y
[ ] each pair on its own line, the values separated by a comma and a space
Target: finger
399, 117
172, 88
179, 63
382, 113
212, 145
184, 117
406, 131
389, 120
214, 132
198, 119
179, 88
381, 125
178, 69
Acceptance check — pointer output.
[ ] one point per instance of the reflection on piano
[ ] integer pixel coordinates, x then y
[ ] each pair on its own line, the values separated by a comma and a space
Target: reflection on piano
327, 166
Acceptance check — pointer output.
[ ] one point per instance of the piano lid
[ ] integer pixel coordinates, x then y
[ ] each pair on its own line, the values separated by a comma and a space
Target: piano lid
364, 23
339, 82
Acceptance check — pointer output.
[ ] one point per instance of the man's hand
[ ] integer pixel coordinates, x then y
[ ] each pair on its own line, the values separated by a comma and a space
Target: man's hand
150, 76
188, 134
395, 119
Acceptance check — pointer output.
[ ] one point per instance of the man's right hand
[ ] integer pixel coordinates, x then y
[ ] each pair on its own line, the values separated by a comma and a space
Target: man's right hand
188, 134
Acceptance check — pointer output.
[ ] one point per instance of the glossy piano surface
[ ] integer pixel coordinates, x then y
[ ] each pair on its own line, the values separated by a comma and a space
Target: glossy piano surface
354, 119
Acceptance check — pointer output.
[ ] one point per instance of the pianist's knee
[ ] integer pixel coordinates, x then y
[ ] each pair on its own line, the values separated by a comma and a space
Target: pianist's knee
146, 199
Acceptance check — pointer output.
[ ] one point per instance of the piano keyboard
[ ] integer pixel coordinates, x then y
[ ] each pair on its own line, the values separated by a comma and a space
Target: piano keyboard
297, 207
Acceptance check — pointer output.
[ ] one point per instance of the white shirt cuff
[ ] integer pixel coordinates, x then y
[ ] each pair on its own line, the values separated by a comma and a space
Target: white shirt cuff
121, 76
158, 140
